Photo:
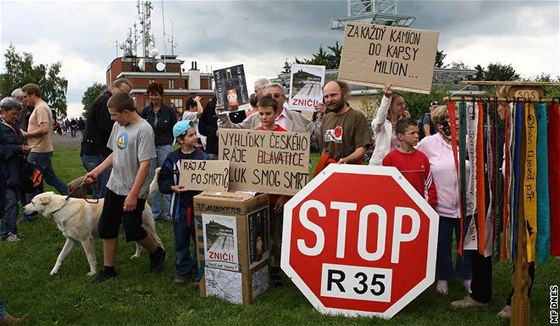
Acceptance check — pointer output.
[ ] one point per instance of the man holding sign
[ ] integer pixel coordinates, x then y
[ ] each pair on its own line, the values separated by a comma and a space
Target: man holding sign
289, 120
182, 210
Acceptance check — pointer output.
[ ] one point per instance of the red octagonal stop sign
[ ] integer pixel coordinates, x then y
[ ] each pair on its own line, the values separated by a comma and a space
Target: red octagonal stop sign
359, 241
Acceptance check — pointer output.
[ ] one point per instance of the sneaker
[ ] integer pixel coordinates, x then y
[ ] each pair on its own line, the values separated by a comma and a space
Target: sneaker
467, 285
157, 259
11, 320
179, 280
468, 302
12, 238
442, 287
104, 276
505, 313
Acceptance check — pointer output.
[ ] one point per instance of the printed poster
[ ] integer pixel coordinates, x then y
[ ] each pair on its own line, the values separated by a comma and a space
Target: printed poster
259, 237
224, 284
231, 88
306, 87
220, 242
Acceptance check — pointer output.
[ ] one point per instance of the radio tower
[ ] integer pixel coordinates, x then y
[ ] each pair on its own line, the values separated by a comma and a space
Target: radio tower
379, 12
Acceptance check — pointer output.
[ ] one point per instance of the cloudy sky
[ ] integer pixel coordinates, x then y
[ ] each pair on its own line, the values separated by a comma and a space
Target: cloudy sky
263, 34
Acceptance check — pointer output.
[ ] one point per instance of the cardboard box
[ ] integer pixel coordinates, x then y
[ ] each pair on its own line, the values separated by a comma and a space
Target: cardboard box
233, 245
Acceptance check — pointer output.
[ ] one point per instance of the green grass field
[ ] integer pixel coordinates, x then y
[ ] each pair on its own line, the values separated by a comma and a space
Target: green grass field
137, 297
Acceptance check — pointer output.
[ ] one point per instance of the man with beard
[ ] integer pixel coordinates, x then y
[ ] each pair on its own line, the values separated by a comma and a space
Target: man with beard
345, 131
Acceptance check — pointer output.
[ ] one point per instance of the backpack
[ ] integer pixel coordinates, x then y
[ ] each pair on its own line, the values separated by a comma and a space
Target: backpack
31, 177
421, 133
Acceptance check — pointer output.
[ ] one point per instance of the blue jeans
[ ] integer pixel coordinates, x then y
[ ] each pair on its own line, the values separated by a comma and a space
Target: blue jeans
3, 313
444, 263
90, 162
157, 210
44, 164
185, 263
9, 223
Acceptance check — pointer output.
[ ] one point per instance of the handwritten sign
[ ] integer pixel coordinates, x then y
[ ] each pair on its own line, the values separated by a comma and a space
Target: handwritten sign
204, 175
374, 55
265, 161
306, 87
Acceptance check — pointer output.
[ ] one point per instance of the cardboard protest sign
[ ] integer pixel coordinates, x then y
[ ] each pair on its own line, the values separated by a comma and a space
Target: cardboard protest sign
306, 87
231, 88
265, 161
374, 55
204, 175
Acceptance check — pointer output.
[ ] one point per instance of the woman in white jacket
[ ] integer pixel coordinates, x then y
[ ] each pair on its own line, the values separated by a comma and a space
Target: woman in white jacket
392, 108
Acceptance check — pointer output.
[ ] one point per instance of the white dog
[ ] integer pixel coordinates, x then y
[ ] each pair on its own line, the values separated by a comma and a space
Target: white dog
77, 219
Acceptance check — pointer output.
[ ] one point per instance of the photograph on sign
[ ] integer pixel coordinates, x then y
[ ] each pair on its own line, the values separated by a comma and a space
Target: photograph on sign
231, 88
306, 87
220, 241
374, 55
265, 161
224, 284
211, 175
259, 238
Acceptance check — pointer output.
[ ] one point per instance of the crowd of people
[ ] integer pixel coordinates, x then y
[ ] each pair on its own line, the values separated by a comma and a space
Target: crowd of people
122, 146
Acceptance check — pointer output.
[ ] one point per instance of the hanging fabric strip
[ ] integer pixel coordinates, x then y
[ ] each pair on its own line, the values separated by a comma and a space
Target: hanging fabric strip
529, 181
453, 121
480, 181
506, 225
554, 176
516, 175
494, 153
489, 181
462, 141
543, 199
472, 236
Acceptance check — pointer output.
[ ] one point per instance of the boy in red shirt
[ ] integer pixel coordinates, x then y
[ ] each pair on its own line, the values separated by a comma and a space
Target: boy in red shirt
412, 163
267, 108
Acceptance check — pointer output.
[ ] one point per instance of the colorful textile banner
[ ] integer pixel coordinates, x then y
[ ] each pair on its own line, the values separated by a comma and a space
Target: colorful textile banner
529, 181
543, 198
554, 176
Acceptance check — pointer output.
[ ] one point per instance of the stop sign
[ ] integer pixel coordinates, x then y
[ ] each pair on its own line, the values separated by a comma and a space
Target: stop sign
359, 241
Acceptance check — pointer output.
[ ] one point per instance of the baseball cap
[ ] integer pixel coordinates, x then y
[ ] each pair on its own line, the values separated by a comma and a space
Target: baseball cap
180, 128
434, 103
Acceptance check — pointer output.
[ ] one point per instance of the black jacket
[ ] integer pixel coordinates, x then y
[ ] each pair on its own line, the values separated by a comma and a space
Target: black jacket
208, 126
98, 127
165, 121
11, 155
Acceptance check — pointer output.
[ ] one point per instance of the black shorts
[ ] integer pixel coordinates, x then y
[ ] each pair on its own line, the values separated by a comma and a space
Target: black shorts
113, 214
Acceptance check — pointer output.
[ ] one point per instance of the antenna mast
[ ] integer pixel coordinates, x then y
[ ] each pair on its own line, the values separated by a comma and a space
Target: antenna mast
379, 12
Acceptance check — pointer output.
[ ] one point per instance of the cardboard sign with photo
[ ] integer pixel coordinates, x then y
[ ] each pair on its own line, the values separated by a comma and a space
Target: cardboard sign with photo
231, 88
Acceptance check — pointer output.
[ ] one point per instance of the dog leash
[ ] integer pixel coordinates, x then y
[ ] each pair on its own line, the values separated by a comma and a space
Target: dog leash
80, 187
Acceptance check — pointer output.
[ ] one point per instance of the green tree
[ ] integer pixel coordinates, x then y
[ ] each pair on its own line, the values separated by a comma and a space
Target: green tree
417, 104
19, 70
549, 91
91, 93
322, 58
496, 71
440, 55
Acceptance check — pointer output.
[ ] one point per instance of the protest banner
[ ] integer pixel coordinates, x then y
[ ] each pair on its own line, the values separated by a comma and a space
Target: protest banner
374, 55
265, 161
231, 88
204, 175
306, 82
